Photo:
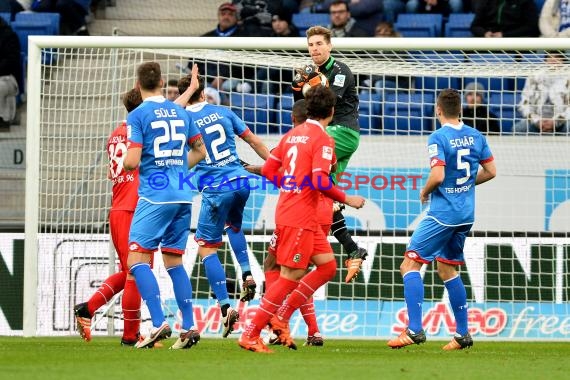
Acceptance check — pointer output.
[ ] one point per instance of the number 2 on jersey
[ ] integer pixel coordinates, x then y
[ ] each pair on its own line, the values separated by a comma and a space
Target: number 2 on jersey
220, 140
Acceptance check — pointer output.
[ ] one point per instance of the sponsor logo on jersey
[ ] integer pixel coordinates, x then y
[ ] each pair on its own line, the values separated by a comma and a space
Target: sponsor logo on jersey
327, 152
339, 80
433, 162
432, 150
297, 258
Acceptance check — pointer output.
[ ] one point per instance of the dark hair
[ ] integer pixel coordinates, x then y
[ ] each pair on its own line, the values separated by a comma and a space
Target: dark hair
319, 31
184, 83
132, 99
320, 102
299, 111
149, 76
338, 2
172, 83
449, 100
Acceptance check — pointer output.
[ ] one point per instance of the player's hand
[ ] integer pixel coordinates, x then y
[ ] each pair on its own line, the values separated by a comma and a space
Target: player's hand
424, 198
243, 163
194, 78
355, 201
298, 80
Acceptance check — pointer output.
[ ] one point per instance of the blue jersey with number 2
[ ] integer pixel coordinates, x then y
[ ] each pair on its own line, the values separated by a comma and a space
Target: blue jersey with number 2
460, 149
219, 126
164, 131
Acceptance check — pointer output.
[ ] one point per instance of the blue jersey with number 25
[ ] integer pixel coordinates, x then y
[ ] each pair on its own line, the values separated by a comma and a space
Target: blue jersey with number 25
460, 149
219, 126
164, 131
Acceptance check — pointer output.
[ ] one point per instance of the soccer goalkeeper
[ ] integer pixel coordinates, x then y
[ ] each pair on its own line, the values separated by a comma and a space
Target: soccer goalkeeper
344, 128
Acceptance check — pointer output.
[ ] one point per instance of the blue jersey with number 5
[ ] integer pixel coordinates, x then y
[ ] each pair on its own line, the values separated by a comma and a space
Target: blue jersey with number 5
460, 149
219, 126
164, 131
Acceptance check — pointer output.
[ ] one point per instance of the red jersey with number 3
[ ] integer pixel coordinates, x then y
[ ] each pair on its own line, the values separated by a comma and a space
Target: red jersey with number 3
125, 184
303, 150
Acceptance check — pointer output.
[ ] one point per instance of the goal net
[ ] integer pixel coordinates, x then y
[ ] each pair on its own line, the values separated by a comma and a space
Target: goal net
517, 257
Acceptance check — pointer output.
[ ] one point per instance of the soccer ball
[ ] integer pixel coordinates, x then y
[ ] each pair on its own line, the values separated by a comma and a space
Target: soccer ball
322, 80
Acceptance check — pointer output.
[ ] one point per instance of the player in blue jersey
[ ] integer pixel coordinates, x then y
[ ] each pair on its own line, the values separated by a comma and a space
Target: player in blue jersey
456, 152
160, 134
223, 182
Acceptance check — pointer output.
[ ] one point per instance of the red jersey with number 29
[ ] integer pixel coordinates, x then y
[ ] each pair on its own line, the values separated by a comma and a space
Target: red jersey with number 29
303, 150
125, 184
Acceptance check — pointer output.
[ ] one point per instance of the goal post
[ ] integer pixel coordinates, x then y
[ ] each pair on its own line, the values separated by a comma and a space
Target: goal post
517, 256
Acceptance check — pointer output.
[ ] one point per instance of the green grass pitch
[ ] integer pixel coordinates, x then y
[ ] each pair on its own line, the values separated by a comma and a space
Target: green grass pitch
104, 358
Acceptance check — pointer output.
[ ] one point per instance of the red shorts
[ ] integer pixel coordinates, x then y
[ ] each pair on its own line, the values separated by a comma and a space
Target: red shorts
294, 247
120, 223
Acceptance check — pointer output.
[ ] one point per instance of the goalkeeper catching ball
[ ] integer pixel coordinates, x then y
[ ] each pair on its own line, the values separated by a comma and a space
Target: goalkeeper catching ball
344, 128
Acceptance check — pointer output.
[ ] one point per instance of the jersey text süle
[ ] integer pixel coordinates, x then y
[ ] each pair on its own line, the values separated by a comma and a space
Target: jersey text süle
460, 149
303, 150
218, 126
164, 131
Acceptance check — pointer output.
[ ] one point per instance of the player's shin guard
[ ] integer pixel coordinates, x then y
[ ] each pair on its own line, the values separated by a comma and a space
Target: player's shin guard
216, 278
112, 285
307, 286
150, 292
340, 232
269, 304
458, 301
308, 312
131, 305
183, 293
239, 246
414, 295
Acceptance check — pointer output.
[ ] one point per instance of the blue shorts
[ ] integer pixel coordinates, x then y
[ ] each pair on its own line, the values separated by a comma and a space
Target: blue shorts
167, 224
218, 209
434, 241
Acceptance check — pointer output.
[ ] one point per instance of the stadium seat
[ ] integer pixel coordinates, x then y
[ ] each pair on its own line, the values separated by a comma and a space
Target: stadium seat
304, 21
369, 117
459, 25
255, 110
40, 18
504, 105
284, 107
26, 29
6, 16
419, 24
493, 84
539, 4
407, 113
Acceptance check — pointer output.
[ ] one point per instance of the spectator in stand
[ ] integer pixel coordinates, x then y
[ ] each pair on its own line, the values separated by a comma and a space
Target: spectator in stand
212, 96
282, 25
72, 14
555, 19
444, 7
10, 73
475, 112
172, 90
545, 103
342, 23
386, 29
495, 20
223, 76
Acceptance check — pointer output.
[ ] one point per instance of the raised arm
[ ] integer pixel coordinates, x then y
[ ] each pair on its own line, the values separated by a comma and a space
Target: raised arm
184, 98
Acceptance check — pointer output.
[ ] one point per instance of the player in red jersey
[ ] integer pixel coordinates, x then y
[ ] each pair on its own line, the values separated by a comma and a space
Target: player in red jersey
124, 201
304, 155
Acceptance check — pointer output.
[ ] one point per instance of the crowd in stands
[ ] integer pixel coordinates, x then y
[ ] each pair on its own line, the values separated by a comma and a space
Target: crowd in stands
356, 18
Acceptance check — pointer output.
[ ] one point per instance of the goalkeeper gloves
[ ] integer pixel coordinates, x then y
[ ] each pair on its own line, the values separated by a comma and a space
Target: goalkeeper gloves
308, 74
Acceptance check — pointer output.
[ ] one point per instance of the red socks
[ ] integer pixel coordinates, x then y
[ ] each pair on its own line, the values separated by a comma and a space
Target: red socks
131, 304
112, 285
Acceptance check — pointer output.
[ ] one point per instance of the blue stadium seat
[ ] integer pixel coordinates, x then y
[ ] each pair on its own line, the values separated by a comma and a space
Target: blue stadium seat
493, 84
504, 105
304, 21
284, 106
459, 25
539, 4
408, 114
24, 30
40, 18
6, 16
419, 24
255, 110
369, 116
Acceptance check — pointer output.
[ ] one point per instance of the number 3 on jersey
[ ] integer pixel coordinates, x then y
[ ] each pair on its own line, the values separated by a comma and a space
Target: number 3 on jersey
290, 171
170, 134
